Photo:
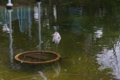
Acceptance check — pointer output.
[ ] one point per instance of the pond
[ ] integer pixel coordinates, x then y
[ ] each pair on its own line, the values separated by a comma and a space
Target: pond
89, 46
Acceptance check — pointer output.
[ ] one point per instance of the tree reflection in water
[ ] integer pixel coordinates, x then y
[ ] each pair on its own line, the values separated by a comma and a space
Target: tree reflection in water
110, 58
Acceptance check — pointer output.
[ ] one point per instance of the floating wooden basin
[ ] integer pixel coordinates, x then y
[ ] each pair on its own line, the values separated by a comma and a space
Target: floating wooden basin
37, 57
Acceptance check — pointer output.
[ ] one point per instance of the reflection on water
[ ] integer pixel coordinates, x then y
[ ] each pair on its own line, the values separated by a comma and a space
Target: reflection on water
56, 27
36, 13
43, 76
55, 13
85, 30
109, 58
56, 68
10, 34
39, 25
29, 22
98, 33
5, 28
23, 15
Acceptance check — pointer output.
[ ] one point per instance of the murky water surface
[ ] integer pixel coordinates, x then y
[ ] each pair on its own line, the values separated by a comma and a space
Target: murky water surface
89, 46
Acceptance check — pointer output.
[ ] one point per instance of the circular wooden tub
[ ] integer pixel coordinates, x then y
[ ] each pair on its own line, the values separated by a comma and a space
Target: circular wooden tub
37, 57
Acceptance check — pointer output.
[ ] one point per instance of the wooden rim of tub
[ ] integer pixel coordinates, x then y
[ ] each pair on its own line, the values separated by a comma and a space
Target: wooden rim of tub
37, 57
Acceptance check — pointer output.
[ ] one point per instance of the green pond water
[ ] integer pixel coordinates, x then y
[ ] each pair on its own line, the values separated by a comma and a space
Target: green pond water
89, 46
